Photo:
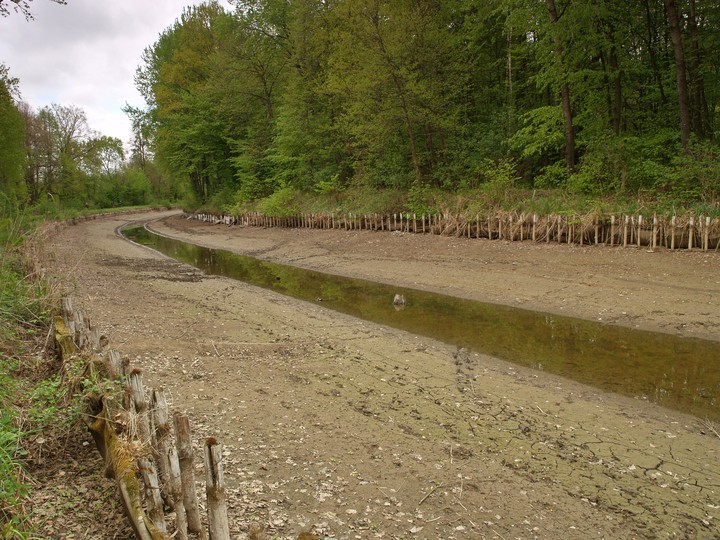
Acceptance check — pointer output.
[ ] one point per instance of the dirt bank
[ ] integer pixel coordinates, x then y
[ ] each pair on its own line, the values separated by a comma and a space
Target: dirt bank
359, 431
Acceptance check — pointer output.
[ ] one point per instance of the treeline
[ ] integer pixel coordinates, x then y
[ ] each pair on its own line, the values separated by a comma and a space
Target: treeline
598, 97
52, 156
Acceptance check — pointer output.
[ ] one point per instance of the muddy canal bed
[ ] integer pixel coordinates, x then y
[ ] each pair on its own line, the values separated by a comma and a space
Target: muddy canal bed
357, 430
679, 372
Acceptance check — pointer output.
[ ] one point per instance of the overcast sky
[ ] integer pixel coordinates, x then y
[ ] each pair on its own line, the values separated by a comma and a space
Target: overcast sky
85, 53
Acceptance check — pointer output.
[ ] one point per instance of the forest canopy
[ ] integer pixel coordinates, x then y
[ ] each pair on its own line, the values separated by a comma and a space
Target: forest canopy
592, 96
352, 100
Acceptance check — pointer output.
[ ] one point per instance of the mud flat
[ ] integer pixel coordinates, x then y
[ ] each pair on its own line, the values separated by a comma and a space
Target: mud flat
360, 431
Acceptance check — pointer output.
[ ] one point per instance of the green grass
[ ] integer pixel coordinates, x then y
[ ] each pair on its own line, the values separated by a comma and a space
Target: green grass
30, 403
27, 405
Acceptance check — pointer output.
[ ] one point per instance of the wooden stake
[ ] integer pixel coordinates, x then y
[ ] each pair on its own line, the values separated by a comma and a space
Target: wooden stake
163, 440
152, 491
560, 228
67, 309
625, 231
672, 233
547, 230
534, 227
597, 231
691, 236
176, 494
654, 233
187, 472
137, 393
113, 365
215, 491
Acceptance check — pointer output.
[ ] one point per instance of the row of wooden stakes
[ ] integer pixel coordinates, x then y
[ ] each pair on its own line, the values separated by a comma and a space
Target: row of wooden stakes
674, 232
136, 442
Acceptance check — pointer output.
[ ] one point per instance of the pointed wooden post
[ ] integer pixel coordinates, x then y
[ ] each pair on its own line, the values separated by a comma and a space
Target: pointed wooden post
163, 440
215, 491
176, 494
152, 490
187, 472
140, 404
691, 234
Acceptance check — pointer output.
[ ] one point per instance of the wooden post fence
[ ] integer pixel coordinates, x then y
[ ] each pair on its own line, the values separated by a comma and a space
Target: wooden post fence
166, 469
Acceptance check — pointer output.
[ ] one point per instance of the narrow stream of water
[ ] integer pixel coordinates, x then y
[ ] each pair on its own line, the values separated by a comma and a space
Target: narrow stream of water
677, 372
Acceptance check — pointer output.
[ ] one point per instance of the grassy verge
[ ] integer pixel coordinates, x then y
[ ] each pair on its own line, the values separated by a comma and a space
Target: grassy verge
29, 392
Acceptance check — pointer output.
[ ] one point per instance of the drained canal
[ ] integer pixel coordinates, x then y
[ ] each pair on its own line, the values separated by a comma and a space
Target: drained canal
676, 372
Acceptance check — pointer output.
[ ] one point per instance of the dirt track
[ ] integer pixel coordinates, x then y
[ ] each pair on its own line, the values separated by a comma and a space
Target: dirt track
359, 431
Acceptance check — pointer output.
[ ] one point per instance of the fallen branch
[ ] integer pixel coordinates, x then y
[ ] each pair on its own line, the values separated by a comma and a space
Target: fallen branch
710, 426
433, 490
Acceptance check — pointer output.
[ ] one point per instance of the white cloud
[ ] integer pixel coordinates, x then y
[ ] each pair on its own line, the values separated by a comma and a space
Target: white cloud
85, 53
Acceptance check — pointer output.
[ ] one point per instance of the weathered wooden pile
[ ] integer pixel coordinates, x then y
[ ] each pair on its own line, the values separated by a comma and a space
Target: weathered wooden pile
675, 232
131, 427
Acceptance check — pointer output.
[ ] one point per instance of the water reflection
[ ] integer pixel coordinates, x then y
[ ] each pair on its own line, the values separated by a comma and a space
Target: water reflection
681, 373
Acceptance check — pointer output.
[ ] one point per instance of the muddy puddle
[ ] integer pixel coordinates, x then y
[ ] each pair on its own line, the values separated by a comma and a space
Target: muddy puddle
677, 372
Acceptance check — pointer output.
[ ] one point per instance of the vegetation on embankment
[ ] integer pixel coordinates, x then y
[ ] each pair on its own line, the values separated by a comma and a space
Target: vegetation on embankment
27, 401
37, 404
486, 201
440, 100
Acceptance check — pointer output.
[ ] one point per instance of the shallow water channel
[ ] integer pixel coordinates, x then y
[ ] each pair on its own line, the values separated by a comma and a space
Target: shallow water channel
677, 372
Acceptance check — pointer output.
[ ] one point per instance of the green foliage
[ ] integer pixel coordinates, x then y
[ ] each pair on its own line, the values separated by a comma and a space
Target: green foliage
12, 488
327, 97
553, 176
45, 400
282, 203
12, 147
22, 313
698, 172
541, 134
420, 199
332, 185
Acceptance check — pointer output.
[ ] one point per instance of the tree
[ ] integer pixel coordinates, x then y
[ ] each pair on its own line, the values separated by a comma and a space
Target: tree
142, 130
414, 94
400, 86
189, 138
564, 93
673, 17
12, 139
21, 6
55, 145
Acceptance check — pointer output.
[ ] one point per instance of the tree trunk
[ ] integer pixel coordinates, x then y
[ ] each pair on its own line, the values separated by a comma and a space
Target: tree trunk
565, 97
651, 29
700, 112
617, 91
671, 10
399, 88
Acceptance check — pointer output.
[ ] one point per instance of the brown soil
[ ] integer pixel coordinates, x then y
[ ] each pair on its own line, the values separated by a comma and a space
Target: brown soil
355, 430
